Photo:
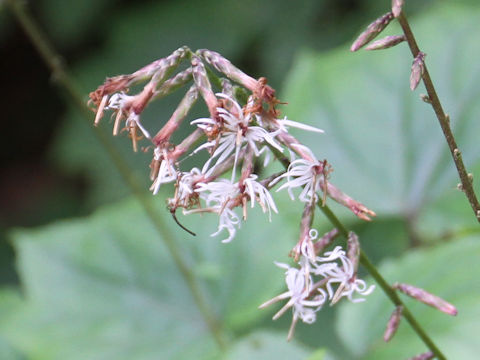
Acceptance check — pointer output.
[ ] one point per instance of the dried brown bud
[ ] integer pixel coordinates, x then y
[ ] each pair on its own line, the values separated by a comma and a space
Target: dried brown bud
397, 7
393, 323
425, 356
418, 68
426, 298
386, 42
372, 31
353, 250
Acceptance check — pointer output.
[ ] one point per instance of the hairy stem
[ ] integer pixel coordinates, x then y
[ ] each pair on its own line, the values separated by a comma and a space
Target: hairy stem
444, 120
62, 78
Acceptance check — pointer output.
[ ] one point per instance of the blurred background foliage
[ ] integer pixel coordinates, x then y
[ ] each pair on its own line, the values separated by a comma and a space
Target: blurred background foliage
102, 287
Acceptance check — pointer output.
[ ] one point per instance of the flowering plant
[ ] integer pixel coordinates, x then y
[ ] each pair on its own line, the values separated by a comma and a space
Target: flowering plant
243, 133
241, 143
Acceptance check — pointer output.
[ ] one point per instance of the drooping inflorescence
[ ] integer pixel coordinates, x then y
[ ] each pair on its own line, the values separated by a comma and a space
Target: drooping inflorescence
242, 134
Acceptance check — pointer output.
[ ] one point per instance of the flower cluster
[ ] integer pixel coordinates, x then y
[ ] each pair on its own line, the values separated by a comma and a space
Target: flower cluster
242, 132
243, 125
320, 279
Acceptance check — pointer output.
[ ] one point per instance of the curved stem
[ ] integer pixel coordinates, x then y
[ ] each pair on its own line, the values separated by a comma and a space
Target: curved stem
372, 270
387, 289
444, 121
62, 78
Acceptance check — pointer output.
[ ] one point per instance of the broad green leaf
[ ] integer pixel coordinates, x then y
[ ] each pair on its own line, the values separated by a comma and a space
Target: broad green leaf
106, 287
450, 271
10, 301
262, 345
385, 144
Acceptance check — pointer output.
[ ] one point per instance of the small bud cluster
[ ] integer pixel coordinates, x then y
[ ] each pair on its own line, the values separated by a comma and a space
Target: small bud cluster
424, 297
242, 133
376, 27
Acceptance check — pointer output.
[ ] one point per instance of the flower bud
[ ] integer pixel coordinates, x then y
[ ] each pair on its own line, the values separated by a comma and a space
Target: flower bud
203, 84
457, 153
162, 68
226, 67
386, 42
425, 356
418, 68
393, 323
397, 7
425, 98
372, 31
427, 298
325, 240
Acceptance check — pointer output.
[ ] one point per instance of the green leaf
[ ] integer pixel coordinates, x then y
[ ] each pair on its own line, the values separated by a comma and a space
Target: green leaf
449, 271
106, 287
10, 301
262, 345
385, 144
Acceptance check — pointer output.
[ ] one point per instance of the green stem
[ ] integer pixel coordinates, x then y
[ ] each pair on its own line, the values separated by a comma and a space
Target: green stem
62, 78
372, 270
387, 289
444, 121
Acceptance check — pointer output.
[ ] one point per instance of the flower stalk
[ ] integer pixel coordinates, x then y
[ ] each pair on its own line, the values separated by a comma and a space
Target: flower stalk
442, 118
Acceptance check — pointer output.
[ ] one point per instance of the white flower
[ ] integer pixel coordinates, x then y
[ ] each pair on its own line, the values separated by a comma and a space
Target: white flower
217, 195
299, 283
119, 101
229, 221
166, 172
338, 269
134, 120
235, 132
302, 173
122, 102
258, 192
185, 187
218, 192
